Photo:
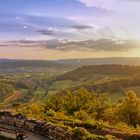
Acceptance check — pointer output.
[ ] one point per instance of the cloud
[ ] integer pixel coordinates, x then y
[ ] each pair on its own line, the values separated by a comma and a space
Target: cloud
107, 31
48, 31
112, 5
104, 4
25, 27
65, 45
82, 27
98, 45
21, 26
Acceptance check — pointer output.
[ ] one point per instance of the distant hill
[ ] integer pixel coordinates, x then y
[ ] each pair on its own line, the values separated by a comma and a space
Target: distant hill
15, 63
9, 64
101, 61
114, 80
25, 66
84, 71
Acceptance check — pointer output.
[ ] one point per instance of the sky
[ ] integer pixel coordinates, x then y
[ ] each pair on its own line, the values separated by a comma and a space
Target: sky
63, 29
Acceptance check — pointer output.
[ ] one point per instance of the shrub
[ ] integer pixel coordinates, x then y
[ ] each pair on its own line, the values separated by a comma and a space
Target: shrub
50, 112
79, 133
81, 115
109, 137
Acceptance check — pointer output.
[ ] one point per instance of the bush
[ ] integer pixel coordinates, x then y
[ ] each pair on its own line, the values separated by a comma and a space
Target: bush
79, 133
50, 112
109, 137
91, 137
81, 115
82, 134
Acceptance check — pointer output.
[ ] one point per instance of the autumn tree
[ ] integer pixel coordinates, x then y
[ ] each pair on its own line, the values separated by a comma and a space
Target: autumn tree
129, 109
54, 102
77, 100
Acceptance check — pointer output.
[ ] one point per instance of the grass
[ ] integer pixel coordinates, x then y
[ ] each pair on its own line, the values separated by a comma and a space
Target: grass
117, 96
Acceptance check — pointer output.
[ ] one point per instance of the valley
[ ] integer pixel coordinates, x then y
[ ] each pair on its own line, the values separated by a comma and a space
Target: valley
113, 80
75, 98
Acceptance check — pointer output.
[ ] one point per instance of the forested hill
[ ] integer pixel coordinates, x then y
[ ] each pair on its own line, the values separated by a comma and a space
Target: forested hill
84, 71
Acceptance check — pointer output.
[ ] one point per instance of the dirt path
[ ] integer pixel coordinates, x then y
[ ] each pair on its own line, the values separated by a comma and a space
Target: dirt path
13, 96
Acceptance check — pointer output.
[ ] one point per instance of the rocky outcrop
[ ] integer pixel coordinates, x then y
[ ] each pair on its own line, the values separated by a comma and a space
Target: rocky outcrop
11, 123
49, 131
53, 133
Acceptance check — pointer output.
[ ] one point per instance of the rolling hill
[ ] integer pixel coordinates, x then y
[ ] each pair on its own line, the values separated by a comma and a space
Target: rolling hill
101, 61
121, 70
16, 63
111, 79
11, 64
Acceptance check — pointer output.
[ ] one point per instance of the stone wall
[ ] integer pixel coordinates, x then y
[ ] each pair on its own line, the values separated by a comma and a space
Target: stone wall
53, 133
49, 131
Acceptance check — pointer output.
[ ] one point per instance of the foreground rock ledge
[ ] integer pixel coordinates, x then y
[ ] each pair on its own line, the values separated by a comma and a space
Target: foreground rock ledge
11, 122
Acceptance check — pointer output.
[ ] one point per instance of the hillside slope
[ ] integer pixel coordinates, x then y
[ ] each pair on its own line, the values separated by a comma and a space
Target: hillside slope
114, 80
78, 73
